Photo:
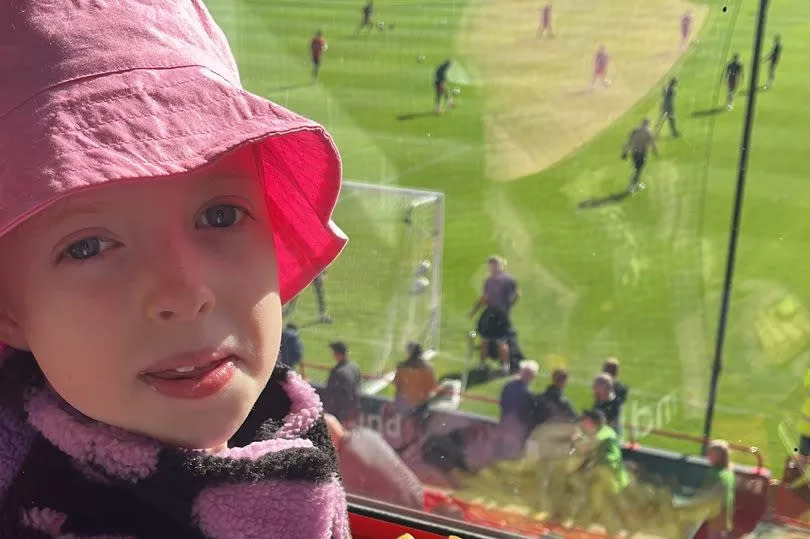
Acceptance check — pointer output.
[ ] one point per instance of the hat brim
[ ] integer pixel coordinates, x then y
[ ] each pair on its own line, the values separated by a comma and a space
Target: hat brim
147, 124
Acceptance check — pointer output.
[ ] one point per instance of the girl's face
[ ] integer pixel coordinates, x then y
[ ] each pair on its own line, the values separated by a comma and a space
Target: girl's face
115, 288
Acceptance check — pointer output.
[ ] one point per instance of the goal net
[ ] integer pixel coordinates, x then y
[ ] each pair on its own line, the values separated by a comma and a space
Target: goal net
385, 288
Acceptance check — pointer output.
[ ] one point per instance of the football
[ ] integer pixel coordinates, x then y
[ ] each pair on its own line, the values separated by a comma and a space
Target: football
419, 285
423, 268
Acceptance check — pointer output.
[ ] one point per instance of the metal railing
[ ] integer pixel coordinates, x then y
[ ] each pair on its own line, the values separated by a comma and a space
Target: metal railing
740, 448
631, 429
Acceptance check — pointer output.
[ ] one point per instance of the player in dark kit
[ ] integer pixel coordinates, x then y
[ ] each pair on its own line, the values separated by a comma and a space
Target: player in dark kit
668, 109
439, 83
733, 75
317, 48
640, 140
366, 22
773, 59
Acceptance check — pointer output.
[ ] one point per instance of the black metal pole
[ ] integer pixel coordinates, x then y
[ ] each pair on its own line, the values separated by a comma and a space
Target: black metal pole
735, 222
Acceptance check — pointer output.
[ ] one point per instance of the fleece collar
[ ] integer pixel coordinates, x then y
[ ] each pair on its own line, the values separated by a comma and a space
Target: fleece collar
65, 475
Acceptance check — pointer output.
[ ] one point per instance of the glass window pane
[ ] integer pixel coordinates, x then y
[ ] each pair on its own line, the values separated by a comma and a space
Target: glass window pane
595, 148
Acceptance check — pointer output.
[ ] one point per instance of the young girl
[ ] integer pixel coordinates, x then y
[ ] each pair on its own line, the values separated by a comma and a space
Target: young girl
154, 216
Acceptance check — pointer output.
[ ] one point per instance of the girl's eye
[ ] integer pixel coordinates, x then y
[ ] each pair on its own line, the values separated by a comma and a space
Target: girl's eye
222, 216
86, 248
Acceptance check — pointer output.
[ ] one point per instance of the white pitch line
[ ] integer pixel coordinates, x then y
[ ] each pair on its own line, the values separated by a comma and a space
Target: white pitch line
394, 178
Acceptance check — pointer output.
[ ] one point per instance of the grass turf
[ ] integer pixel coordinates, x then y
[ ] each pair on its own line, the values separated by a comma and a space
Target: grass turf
640, 280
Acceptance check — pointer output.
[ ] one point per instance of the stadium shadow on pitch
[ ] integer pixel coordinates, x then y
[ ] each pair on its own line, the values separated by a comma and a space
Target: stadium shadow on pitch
414, 115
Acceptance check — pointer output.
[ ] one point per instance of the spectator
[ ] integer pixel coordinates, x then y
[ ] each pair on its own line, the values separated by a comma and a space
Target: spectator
602, 476
517, 405
342, 393
552, 405
371, 468
714, 501
606, 401
611, 367
516, 398
415, 381
720, 481
500, 294
292, 350
607, 450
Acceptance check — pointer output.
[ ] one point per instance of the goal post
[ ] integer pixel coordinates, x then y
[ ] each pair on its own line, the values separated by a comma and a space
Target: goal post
422, 215
385, 289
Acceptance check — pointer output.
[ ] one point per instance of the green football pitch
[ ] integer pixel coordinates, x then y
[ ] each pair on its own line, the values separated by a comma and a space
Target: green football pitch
640, 279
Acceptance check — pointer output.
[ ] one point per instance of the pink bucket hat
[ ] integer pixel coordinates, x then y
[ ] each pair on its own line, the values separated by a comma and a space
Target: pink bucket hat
95, 92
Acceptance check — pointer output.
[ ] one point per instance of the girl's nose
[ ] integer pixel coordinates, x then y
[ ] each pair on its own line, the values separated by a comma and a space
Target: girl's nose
178, 288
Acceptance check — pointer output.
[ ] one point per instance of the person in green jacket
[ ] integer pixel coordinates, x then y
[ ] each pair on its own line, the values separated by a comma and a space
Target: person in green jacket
714, 501
719, 483
608, 450
602, 478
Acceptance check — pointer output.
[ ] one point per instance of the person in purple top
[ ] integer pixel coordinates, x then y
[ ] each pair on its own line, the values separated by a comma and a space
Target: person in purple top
499, 295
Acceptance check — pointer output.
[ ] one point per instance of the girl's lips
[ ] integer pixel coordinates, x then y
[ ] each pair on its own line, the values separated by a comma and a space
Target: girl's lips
189, 371
190, 360
201, 382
